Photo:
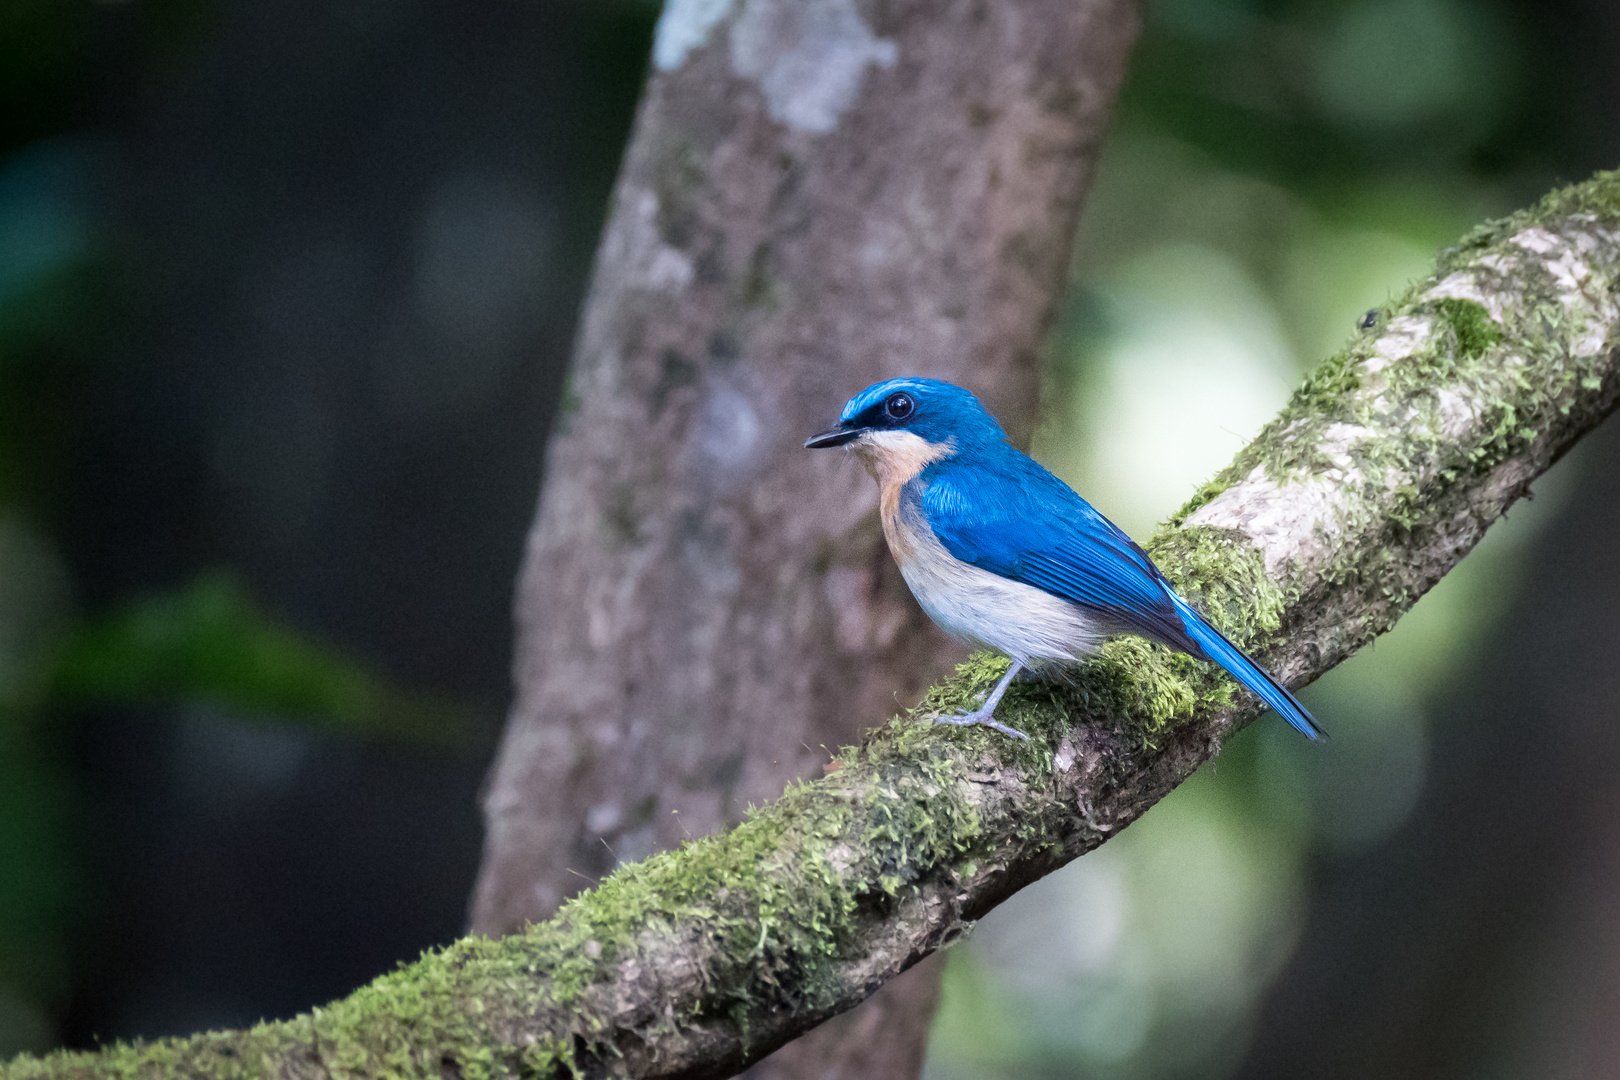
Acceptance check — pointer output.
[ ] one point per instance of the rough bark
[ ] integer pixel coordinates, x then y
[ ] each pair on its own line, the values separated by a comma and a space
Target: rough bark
1384, 470
817, 195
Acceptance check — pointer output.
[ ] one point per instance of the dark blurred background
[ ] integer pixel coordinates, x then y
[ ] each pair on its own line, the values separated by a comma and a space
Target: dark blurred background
286, 295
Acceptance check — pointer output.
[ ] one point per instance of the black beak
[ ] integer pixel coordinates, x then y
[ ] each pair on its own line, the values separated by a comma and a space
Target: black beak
838, 436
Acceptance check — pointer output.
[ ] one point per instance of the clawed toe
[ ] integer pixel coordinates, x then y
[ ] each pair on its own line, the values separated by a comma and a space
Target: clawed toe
968, 719
958, 720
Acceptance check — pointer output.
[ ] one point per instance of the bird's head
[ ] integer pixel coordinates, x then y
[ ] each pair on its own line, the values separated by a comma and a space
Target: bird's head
899, 426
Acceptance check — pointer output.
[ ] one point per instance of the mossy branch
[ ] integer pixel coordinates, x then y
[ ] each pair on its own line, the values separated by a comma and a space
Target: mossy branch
1383, 471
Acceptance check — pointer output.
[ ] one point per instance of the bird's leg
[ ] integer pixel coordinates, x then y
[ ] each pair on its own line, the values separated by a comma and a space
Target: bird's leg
981, 715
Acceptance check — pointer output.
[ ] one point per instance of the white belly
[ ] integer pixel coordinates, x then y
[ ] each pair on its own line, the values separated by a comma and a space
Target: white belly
982, 608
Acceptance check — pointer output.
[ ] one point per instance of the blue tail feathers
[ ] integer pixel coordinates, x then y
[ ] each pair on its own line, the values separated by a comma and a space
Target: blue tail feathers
1247, 672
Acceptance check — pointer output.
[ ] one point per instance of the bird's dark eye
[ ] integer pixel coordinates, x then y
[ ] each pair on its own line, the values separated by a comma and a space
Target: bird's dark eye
898, 406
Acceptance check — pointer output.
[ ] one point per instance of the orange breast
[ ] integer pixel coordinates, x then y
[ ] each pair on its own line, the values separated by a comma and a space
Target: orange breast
901, 545
895, 458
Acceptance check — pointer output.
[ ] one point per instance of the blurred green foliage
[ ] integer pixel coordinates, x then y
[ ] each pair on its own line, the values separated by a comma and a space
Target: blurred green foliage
63, 309
209, 642
47, 277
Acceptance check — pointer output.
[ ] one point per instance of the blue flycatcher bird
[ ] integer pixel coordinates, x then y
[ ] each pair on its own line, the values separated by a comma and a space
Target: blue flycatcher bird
1001, 553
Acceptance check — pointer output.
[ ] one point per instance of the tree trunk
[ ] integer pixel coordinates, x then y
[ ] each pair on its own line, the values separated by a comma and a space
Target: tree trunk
817, 195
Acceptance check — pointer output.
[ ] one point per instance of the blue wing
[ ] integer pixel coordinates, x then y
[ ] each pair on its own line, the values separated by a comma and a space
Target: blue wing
1012, 517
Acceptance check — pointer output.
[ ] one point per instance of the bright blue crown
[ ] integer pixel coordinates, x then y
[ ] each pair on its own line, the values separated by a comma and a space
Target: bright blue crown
940, 411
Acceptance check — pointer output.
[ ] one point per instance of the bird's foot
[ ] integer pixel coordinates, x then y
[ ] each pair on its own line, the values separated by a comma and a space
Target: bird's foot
982, 717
